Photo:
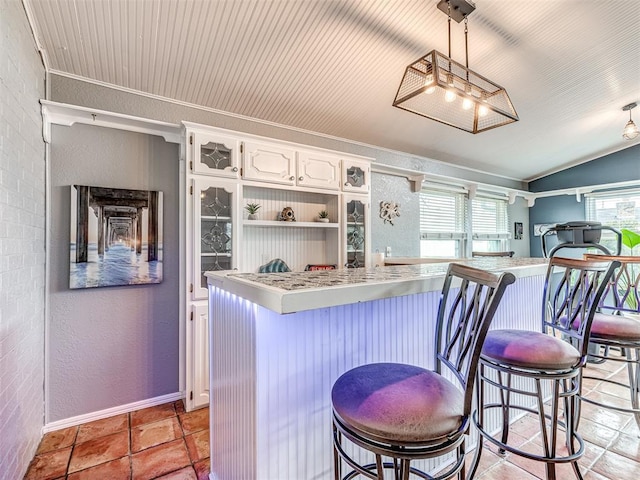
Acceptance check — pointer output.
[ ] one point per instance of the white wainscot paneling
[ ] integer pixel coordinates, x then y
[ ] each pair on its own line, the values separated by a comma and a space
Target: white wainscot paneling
305, 205
288, 364
272, 374
296, 246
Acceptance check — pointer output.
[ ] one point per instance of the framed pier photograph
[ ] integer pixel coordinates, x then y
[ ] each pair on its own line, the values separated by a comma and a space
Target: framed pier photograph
115, 238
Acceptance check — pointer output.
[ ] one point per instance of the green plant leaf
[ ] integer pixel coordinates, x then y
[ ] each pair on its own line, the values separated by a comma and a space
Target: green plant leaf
630, 238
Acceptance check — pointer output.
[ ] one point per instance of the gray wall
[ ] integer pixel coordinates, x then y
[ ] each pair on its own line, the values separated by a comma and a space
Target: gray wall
76, 92
22, 242
621, 166
403, 237
115, 345
519, 212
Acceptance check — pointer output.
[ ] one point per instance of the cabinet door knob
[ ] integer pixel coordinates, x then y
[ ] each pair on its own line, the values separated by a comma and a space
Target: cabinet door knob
292, 178
234, 169
346, 184
300, 179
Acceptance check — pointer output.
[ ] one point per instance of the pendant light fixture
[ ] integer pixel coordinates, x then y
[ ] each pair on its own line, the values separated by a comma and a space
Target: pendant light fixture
437, 87
630, 130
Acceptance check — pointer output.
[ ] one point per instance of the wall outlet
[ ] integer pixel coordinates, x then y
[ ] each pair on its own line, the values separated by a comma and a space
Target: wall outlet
387, 252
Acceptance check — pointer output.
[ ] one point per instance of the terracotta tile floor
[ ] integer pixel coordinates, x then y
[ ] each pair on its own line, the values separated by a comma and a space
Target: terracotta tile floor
162, 442
166, 443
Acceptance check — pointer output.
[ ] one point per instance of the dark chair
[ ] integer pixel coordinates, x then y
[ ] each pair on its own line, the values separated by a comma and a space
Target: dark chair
403, 413
525, 368
577, 234
492, 254
615, 333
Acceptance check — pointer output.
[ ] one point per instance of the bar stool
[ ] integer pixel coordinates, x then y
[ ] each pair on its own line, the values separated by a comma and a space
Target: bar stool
534, 364
617, 331
400, 413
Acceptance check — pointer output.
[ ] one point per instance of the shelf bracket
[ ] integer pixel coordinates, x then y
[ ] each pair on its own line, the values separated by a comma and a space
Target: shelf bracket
416, 182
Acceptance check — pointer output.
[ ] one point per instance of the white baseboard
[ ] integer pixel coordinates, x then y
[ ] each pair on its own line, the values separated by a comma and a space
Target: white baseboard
110, 412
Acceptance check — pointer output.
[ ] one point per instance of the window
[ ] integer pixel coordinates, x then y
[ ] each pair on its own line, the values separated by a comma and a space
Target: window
490, 224
442, 223
618, 209
446, 223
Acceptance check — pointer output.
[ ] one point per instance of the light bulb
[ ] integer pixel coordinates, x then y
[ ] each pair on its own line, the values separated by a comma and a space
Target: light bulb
467, 104
449, 95
482, 111
429, 81
450, 80
630, 131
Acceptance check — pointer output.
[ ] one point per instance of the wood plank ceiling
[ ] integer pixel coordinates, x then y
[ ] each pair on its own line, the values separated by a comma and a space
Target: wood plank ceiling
333, 66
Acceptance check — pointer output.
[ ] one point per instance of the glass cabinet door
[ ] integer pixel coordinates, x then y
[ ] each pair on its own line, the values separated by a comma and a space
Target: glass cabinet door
355, 175
215, 155
356, 233
214, 230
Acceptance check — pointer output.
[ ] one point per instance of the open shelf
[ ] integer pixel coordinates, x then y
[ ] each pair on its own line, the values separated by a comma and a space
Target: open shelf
281, 224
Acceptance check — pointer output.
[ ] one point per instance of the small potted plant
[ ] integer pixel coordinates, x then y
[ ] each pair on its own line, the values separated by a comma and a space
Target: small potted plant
323, 216
252, 208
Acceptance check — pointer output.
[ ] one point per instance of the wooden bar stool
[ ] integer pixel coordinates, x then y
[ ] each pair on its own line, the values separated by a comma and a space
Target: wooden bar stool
401, 413
615, 333
527, 367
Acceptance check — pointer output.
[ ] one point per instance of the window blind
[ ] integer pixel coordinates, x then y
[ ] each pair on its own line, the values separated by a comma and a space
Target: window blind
617, 209
490, 218
442, 215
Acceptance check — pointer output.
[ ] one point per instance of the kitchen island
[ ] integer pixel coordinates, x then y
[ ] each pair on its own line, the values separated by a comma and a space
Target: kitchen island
278, 342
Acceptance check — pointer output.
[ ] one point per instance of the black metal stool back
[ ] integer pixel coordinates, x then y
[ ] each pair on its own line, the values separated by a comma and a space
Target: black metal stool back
401, 413
570, 290
615, 334
527, 368
622, 294
463, 325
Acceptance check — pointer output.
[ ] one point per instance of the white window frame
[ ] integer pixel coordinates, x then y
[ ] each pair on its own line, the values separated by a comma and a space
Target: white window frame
457, 225
443, 228
486, 228
625, 217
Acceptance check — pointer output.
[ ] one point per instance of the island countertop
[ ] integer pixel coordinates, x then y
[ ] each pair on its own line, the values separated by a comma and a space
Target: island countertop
299, 291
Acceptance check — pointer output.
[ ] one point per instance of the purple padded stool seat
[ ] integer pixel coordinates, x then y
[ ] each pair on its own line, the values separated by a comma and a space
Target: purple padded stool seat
396, 414
523, 368
398, 402
615, 332
614, 327
529, 350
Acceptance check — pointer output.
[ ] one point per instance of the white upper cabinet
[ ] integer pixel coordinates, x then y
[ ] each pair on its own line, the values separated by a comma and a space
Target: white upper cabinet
317, 170
214, 154
266, 162
356, 175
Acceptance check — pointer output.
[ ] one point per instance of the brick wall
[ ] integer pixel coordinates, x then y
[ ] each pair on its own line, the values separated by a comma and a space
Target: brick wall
22, 242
